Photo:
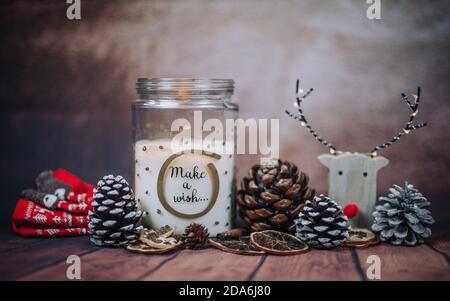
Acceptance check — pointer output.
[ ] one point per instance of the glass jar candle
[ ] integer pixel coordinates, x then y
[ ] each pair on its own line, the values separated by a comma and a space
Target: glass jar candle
184, 154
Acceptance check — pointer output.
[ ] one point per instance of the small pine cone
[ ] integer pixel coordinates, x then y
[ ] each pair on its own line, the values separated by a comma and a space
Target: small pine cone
195, 236
322, 223
113, 221
403, 219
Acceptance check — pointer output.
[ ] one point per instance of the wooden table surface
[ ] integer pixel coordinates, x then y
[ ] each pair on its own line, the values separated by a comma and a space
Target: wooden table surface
45, 259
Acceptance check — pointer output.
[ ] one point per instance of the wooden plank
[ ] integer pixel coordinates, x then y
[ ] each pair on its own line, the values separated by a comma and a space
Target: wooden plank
46, 261
106, 264
440, 242
336, 264
10, 242
208, 264
407, 263
33, 257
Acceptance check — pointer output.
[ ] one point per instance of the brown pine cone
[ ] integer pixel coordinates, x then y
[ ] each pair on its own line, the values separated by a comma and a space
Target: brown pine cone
271, 196
195, 236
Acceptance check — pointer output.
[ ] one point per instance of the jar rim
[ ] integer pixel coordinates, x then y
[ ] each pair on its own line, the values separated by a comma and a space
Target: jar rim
184, 86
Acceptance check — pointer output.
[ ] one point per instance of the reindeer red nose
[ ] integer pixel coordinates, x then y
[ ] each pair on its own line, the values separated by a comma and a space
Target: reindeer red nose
351, 210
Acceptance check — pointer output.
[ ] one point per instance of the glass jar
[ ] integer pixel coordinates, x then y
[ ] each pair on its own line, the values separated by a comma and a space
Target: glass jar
184, 155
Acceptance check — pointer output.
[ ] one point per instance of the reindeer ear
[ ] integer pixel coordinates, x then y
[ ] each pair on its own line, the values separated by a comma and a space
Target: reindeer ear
325, 159
380, 162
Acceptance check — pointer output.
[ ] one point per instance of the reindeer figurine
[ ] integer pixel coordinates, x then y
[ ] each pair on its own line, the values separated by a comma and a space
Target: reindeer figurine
353, 176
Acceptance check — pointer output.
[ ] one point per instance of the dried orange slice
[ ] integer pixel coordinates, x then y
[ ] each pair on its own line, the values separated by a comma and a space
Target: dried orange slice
165, 232
143, 248
241, 246
365, 245
278, 243
233, 233
359, 237
159, 239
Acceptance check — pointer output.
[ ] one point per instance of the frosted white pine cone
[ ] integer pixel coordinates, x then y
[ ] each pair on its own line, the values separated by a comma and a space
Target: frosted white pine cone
322, 224
402, 219
115, 215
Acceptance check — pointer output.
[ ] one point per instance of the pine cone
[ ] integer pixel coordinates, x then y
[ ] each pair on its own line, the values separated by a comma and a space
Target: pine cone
195, 236
402, 219
115, 215
322, 224
271, 196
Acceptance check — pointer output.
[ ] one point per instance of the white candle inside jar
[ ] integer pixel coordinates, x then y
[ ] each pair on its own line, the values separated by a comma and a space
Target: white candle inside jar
180, 186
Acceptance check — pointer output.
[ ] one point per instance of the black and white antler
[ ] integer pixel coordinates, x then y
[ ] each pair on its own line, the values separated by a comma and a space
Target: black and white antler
300, 96
409, 127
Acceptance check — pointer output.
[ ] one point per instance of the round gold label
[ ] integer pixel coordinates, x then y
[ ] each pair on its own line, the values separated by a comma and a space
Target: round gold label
188, 183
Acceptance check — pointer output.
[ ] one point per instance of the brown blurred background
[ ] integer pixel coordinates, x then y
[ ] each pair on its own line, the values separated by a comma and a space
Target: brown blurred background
67, 86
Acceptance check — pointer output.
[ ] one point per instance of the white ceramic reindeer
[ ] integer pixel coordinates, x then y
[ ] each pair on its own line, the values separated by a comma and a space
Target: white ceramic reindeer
352, 179
352, 176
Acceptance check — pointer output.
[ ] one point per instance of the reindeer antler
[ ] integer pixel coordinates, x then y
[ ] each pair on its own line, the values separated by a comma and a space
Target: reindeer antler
409, 127
300, 96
